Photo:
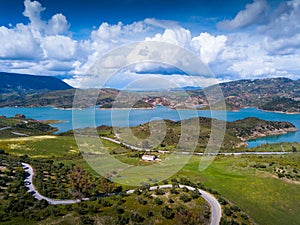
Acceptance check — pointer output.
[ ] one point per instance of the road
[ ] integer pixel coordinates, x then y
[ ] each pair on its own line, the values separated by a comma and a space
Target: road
32, 190
215, 207
197, 153
127, 145
4, 128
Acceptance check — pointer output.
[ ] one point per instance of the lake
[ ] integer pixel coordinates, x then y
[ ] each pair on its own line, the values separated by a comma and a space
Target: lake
138, 116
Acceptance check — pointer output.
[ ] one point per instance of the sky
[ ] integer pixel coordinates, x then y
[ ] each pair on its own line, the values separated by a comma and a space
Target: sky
236, 39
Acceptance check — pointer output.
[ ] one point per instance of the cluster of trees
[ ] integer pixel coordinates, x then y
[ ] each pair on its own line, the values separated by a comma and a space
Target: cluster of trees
69, 181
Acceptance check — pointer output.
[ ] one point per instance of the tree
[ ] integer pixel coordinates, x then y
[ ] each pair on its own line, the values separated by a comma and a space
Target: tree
167, 213
80, 182
136, 217
185, 217
158, 201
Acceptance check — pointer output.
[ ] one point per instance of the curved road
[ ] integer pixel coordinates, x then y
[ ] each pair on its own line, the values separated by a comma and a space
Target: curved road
197, 153
215, 207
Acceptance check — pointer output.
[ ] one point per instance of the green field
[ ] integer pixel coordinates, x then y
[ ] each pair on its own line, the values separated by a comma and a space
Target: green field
250, 182
265, 198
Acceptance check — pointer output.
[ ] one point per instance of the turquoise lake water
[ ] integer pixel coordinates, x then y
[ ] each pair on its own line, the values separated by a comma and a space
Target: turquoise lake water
123, 117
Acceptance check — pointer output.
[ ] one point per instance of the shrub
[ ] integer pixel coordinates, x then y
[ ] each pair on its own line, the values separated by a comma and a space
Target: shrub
167, 213
185, 198
136, 217
158, 201
142, 201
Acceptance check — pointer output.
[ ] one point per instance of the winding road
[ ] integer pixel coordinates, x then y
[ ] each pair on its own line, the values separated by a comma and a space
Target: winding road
215, 207
196, 153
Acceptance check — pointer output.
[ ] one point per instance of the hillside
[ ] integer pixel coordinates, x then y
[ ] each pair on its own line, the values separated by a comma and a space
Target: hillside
273, 94
20, 126
20, 83
237, 133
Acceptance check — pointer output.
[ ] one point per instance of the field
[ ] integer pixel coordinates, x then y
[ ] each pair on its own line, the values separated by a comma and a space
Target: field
263, 196
264, 187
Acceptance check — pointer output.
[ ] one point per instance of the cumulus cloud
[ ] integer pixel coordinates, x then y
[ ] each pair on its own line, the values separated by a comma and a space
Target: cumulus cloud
18, 43
178, 36
58, 24
253, 14
33, 11
209, 46
59, 47
39, 41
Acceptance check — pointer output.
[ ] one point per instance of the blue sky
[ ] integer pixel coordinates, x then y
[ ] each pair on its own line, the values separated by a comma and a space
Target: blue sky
237, 39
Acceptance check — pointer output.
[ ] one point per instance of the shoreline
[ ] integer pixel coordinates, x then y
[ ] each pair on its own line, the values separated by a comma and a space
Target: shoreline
148, 108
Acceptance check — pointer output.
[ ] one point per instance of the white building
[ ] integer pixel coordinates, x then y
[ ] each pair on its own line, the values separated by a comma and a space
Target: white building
148, 157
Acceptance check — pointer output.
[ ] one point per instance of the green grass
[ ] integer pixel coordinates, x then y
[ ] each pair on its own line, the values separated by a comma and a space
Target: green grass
266, 199
259, 192
40, 146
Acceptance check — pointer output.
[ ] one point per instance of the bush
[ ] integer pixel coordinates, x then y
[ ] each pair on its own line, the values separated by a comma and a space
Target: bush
137, 218
122, 220
149, 213
171, 200
185, 198
167, 213
158, 201
244, 216
195, 194
227, 211
159, 192
185, 189
119, 210
142, 201
86, 220
222, 201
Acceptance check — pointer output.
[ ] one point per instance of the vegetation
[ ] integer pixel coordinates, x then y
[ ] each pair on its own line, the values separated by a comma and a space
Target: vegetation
275, 94
21, 126
236, 133
256, 190
17, 206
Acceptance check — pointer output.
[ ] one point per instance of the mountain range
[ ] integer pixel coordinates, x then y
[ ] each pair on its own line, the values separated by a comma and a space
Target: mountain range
273, 94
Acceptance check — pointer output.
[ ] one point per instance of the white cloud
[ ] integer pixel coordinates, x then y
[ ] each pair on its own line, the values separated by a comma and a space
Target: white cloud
18, 43
282, 32
59, 47
209, 46
58, 24
178, 36
253, 14
33, 11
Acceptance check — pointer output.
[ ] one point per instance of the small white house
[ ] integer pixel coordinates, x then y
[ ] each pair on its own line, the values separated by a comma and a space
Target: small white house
148, 157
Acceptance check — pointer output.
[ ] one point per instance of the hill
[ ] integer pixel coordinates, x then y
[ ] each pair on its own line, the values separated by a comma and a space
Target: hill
20, 83
20, 126
236, 134
273, 94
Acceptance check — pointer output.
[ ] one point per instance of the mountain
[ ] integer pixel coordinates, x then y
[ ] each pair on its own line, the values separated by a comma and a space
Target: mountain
273, 94
21, 83
187, 88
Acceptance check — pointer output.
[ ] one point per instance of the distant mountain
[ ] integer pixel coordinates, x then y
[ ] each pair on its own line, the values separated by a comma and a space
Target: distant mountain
20, 83
187, 88
274, 94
